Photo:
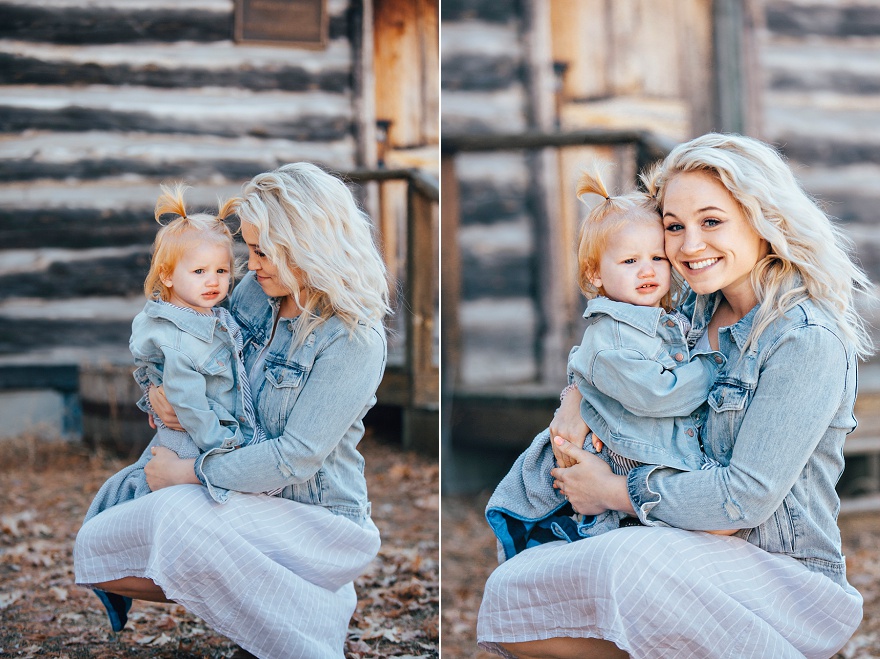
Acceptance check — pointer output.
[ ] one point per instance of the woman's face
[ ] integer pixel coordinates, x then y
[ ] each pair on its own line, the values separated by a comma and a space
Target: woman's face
708, 239
259, 263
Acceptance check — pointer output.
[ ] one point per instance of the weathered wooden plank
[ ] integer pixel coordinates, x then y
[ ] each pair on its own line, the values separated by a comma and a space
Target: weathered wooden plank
487, 202
469, 72
113, 275
494, 11
75, 227
828, 151
21, 336
20, 70
314, 128
847, 20
81, 25
498, 276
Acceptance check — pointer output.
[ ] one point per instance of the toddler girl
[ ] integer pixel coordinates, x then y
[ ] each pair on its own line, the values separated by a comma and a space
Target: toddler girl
641, 385
183, 341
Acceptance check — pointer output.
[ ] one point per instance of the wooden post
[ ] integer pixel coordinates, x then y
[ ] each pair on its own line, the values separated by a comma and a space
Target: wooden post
543, 165
421, 416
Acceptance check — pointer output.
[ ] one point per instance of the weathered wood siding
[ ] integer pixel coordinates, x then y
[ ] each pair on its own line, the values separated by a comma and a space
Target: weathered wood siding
638, 64
821, 103
102, 101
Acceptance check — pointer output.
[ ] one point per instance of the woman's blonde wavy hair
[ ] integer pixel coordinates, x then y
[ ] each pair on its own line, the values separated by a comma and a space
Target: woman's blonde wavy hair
308, 222
180, 234
809, 256
606, 219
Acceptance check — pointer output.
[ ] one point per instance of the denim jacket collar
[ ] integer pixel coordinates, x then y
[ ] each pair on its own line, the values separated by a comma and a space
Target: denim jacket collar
201, 326
644, 319
704, 306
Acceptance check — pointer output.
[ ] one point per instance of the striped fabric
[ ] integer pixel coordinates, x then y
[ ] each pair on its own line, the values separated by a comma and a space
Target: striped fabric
273, 575
664, 592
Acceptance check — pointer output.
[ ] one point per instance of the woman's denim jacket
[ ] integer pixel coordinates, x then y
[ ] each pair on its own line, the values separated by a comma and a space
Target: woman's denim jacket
194, 356
311, 404
640, 383
776, 421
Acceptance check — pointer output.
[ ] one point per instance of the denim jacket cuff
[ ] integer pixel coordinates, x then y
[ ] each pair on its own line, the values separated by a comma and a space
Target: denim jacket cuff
641, 495
218, 494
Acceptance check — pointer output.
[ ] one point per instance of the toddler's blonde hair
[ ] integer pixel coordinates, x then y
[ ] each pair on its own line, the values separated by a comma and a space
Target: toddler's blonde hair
180, 234
606, 219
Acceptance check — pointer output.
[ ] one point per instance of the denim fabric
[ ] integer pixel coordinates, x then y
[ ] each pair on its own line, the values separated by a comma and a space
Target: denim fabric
526, 511
640, 383
193, 356
311, 405
777, 417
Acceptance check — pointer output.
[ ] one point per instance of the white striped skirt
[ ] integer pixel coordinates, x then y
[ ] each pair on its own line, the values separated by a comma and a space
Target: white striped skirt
663, 592
273, 575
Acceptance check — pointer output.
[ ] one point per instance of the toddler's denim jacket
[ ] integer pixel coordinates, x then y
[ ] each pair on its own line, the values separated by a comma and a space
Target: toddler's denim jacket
193, 356
640, 383
311, 405
778, 415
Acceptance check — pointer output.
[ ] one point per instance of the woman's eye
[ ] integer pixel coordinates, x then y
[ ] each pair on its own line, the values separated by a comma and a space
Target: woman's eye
711, 222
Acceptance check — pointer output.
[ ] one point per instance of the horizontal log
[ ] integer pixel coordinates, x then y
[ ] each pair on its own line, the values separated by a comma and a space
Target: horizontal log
75, 227
840, 82
795, 19
114, 275
83, 25
493, 11
313, 128
815, 150
480, 73
27, 335
485, 202
40, 376
502, 275
20, 70
186, 170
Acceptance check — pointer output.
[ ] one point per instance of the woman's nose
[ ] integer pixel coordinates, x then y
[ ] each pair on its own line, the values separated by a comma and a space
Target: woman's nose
253, 262
693, 243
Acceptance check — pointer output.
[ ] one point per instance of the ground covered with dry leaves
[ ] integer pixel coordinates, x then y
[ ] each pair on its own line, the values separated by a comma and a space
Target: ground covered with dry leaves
46, 489
468, 556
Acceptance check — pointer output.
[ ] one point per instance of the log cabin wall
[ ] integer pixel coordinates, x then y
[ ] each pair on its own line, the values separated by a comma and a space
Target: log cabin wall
567, 64
103, 100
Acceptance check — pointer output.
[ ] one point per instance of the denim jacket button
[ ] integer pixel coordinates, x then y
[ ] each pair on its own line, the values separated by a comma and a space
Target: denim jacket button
670, 323
718, 359
281, 378
690, 432
678, 356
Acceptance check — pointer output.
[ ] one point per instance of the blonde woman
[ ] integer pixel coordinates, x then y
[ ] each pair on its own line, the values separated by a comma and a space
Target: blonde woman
272, 573
772, 289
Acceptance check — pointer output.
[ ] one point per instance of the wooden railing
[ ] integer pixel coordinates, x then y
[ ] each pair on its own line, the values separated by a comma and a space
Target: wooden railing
412, 377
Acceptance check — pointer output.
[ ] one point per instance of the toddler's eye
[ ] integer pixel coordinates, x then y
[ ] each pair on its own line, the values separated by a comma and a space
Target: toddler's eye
629, 261
199, 271
659, 258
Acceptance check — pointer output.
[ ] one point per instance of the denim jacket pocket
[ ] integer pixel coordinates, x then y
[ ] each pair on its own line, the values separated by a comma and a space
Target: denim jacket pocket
284, 376
778, 535
217, 361
726, 397
311, 491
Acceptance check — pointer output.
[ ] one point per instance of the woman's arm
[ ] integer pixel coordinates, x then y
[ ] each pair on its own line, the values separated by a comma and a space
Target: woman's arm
339, 388
788, 415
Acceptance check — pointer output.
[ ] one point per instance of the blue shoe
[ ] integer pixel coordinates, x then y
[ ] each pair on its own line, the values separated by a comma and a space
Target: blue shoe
117, 608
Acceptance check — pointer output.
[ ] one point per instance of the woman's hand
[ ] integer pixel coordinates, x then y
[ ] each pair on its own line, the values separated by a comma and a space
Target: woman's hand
166, 469
163, 408
568, 424
590, 485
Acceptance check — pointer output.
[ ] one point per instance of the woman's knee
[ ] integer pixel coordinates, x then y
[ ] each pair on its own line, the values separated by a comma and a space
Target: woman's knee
565, 648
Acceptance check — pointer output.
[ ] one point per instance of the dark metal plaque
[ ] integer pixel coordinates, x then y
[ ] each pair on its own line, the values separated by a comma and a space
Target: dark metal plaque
300, 23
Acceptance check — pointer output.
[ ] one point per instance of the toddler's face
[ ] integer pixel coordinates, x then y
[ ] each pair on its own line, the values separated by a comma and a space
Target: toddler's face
201, 278
634, 267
